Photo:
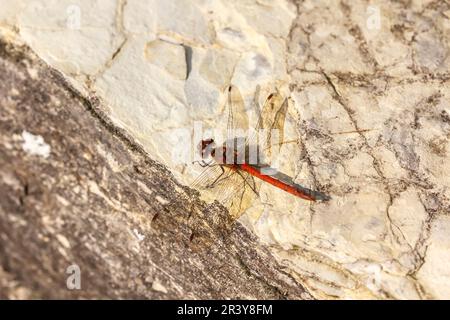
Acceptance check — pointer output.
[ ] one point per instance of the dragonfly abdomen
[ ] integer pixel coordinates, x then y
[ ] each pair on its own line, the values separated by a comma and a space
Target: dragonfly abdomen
288, 187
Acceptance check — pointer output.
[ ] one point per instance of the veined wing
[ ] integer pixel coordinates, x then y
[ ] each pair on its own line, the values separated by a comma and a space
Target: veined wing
233, 188
237, 124
269, 130
273, 117
211, 176
238, 200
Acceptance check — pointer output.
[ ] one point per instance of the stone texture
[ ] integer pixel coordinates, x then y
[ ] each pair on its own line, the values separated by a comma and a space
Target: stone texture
370, 89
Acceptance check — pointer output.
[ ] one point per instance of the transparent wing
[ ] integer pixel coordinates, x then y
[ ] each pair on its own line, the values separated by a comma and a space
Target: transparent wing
212, 179
237, 124
209, 176
233, 188
272, 121
269, 131
238, 199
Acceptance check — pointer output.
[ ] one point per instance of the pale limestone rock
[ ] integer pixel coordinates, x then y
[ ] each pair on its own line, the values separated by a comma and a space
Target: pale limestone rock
169, 57
77, 37
381, 69
434, 274
139, 17
409, 216
217, 67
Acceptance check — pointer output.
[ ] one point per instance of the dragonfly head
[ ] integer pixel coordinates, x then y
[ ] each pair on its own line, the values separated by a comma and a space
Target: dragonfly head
206, 148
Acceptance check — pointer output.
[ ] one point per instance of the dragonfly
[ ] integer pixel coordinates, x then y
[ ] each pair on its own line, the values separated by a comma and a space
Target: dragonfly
236, 168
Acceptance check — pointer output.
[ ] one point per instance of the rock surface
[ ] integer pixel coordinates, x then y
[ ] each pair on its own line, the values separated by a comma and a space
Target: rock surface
370, 114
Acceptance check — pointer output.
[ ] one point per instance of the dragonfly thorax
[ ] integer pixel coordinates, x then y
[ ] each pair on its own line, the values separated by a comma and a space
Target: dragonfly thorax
233, 151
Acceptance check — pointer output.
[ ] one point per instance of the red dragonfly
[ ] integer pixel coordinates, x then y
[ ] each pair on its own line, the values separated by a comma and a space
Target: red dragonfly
236, 168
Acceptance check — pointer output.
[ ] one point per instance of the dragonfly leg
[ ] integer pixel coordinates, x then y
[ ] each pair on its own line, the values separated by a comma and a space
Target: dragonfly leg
241, 198
246, 182
202, 163
211, 185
